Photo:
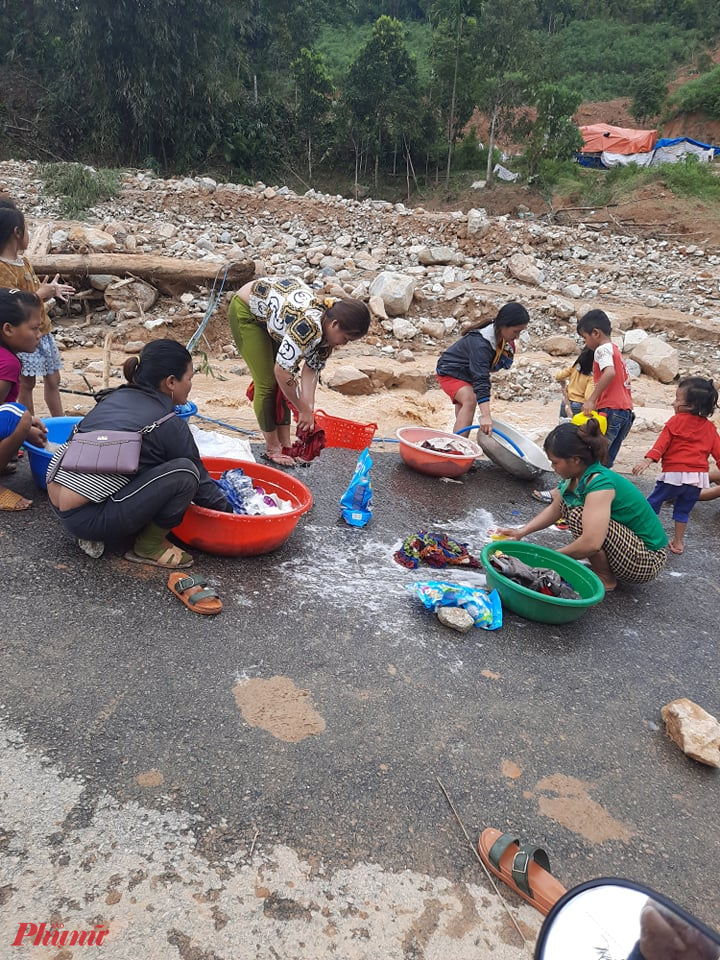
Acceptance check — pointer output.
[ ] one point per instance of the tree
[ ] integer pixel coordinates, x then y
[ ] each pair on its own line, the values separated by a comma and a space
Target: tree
505, 51
553, 135
314, 87
453, 53
382, 92
146, 76
648, 95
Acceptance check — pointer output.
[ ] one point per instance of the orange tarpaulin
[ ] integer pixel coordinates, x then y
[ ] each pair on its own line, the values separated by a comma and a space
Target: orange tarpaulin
600, 137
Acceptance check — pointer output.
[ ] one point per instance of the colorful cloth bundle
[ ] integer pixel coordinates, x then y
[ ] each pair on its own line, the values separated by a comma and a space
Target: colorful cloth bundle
436, 550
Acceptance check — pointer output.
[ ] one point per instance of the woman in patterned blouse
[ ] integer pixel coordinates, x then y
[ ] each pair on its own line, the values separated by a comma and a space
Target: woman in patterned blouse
285, 332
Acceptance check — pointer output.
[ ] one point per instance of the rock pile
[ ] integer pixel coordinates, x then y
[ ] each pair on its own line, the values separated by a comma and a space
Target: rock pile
425, 274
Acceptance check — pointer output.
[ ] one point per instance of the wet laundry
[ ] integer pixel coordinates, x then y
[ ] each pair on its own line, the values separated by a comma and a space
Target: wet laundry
247, 499
452, 445
541, 579
436, 550
310, 441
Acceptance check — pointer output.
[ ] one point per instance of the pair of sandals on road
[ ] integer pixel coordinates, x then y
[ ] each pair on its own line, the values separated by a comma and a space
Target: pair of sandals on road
524, 867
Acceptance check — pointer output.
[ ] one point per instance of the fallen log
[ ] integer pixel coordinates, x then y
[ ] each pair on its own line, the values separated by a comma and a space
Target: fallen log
171, 276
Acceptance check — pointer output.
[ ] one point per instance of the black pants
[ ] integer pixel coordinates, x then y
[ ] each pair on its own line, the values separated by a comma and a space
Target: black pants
160, 495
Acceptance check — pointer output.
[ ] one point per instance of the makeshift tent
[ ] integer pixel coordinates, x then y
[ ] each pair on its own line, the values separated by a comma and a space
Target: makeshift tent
602, 138
666, 151
670, 151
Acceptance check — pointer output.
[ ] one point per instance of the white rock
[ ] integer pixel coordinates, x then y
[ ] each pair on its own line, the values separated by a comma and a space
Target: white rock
633, 338
657, 359
396, 291
433, 256
403, 329
457, 618
694, 730
524, 269
478, 222
100, 281
130, 295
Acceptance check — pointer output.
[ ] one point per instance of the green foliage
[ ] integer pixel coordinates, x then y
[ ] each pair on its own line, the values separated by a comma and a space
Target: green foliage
648, 92
260, 139
79, 187
601, 58
553, 135
700, 96
692, 179
381, 90
341, 43
269, 85
595, 188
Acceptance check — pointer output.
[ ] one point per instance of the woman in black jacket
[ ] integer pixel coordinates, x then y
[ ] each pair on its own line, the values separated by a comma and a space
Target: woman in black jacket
464, 369
95, 508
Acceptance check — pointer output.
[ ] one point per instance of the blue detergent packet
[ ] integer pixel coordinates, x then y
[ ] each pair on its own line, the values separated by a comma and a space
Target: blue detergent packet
485, 608
356, 502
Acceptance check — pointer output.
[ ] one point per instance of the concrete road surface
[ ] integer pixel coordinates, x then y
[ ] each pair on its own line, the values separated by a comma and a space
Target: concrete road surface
265, 783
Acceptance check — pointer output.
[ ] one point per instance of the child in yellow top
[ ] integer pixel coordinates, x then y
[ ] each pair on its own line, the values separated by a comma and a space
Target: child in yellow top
16, 272
579, 384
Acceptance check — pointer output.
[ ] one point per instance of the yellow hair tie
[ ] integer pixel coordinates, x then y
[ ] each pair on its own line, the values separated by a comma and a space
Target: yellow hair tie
329, 301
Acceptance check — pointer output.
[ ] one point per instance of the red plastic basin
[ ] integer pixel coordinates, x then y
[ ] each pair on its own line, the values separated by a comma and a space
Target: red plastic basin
233, 535
433, 462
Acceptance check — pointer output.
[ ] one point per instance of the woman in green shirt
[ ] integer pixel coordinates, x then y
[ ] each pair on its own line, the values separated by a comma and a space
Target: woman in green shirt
613, 525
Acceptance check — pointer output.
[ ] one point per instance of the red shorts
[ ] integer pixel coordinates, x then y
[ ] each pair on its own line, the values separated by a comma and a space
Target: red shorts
451, 385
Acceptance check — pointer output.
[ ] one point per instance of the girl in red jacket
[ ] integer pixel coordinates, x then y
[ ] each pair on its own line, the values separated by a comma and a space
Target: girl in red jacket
686, 442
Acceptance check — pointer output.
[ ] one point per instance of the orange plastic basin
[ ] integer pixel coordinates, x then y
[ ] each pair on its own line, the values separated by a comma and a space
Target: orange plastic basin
432, 462
234, 535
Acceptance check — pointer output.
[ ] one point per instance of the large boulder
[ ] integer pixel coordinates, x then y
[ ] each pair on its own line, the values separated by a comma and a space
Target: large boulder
396, 291
657, 359
91, 240
349, 381
524, 269
478, 222
560, 345
633, 338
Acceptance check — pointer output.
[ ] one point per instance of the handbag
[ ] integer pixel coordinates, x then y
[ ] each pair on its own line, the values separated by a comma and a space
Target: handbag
107, 451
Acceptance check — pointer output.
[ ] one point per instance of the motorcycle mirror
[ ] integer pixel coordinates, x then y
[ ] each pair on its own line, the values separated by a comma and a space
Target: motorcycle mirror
611, 919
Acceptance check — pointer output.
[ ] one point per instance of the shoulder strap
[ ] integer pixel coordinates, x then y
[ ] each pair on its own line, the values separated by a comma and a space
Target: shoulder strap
156, 423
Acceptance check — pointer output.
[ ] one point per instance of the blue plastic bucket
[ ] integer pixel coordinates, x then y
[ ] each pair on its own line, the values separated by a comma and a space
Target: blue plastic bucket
59, 430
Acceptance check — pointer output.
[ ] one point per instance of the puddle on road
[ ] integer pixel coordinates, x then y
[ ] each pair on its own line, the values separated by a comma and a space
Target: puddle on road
278, 706
574, 808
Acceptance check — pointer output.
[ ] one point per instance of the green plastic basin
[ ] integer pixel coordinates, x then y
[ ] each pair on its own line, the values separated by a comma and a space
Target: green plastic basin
531, 604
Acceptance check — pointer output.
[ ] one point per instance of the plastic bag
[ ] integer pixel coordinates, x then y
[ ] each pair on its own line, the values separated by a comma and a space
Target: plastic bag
485, 608
357, 499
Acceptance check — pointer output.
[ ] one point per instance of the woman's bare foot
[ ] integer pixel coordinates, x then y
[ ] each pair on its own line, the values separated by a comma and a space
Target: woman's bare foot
676, 548
12, 502
609, 585
278, 458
